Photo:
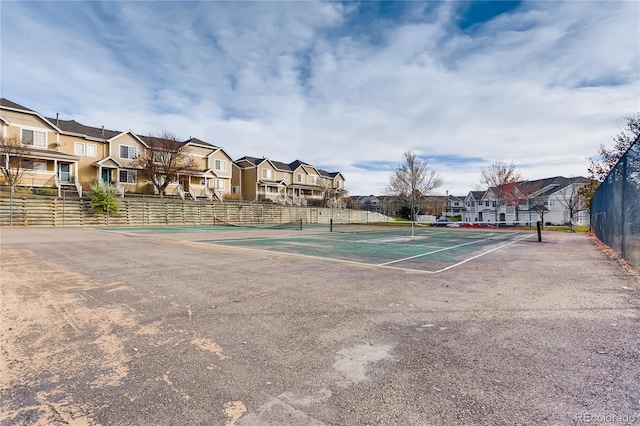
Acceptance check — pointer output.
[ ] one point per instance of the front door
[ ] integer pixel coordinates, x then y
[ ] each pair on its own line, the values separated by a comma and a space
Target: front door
184, 182
64, 172
106, 176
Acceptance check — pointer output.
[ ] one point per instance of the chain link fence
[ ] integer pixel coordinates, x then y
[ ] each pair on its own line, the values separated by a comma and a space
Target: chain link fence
615, 207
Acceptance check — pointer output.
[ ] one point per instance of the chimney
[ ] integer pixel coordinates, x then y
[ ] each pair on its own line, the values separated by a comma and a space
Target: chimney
102, 130
57, 119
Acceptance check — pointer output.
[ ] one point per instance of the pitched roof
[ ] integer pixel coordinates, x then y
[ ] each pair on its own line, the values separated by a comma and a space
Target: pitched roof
72, 126
282, 166
200, 142
547, 186
252, 160
10, 104
297, 163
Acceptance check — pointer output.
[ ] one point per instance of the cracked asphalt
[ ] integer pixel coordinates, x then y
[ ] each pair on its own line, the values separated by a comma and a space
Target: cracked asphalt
102, 328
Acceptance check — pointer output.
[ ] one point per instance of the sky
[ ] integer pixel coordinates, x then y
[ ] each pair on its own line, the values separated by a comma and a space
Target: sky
345, 86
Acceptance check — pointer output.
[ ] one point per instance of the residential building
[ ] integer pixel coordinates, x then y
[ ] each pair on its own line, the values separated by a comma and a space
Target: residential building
295, 183
367, 202
548, 200
455, 206
45, 162
71, 156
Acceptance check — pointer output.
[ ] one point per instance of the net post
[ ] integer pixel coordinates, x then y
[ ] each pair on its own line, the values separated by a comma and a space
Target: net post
331, 225
301, 224
538, 228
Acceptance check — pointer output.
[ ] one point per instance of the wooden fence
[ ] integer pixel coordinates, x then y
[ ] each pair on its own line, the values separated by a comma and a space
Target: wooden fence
55, 211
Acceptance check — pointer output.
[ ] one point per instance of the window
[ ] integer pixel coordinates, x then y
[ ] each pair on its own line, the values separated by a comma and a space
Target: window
221, 165
92, 150
486, 203
266, 174
35, 138
79, 148
300, 178
33, 165
286, 178
128, 151
127, 176
313, 179
219, 184
161, 157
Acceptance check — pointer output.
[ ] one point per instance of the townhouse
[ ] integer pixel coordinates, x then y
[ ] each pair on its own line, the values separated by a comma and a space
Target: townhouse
367, 202
549, 200
71, 156
295, 183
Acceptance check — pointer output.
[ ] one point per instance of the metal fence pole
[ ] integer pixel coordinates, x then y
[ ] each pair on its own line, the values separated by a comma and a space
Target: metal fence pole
11, 206
624, 207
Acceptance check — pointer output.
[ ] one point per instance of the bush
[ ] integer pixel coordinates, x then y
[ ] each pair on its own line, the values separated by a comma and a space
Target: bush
104, 199
52, 192
232, 197
315, 202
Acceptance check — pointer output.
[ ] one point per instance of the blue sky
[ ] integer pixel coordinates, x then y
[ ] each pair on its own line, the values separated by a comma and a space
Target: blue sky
346, 86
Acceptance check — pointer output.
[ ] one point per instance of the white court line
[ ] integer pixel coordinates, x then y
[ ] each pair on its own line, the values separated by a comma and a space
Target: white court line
428, 253
211, 243
443, 249
481, 254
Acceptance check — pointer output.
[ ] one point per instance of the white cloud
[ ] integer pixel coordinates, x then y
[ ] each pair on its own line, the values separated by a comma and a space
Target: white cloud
542, 86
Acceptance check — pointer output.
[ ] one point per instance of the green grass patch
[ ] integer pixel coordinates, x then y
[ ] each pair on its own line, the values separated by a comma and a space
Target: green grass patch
565, 228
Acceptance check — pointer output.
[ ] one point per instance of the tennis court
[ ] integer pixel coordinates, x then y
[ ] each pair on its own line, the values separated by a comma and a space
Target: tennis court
245, 326
413, 248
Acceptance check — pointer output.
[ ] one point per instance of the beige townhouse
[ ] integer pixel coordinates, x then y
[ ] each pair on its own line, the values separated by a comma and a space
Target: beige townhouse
70, 156
295, 183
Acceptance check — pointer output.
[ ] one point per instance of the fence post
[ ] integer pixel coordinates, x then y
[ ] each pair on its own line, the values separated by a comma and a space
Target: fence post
539, 228
64, 201
11, 205
624, 207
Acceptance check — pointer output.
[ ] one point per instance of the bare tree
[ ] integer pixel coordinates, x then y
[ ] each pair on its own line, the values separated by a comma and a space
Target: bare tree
12, 157
412, 180
502, 180
538, 205
608, 157
573, 201
12, 154
332, 196
163, 161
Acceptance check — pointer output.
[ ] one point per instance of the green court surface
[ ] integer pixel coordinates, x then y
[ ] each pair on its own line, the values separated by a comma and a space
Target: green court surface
431, 250
424, 249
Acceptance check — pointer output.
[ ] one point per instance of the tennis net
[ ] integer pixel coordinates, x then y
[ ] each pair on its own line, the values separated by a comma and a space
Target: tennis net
295, 224
435, 229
